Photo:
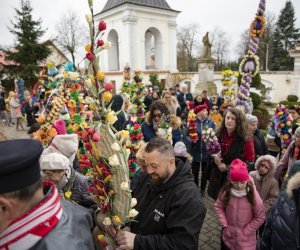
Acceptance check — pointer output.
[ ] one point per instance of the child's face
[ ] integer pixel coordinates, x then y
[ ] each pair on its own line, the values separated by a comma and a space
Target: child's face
264, 168
239, 185
215, 111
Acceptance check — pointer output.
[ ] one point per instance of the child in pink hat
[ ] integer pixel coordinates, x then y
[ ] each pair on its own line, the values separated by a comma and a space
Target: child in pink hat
240, 209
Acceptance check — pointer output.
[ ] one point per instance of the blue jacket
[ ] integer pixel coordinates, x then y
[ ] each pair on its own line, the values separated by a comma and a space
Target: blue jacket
198, 149
149, 133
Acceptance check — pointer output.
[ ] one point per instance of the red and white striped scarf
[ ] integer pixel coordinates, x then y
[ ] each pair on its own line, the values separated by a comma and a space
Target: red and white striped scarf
27, 230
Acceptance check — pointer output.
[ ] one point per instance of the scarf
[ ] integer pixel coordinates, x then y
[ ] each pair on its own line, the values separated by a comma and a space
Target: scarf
26, 231
238, 193
226, 141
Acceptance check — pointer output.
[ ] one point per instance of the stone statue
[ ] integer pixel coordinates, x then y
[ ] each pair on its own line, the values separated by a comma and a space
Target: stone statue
207, 48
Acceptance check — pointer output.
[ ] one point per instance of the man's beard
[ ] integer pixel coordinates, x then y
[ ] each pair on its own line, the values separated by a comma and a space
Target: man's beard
159, 179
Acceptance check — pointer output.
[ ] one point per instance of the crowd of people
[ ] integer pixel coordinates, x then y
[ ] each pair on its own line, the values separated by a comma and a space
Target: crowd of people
255, 188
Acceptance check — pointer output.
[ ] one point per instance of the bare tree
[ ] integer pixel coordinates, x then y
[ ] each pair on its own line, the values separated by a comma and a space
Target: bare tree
188, 42
220, 42
70, 33
242, 45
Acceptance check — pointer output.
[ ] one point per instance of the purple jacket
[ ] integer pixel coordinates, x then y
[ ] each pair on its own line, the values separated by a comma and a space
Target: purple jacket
240, 221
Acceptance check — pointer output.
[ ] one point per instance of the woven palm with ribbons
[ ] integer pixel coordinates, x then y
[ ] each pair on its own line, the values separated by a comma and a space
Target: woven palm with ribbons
249, 66
82, 103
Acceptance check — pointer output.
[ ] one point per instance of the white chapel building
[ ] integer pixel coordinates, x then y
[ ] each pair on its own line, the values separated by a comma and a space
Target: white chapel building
142, 34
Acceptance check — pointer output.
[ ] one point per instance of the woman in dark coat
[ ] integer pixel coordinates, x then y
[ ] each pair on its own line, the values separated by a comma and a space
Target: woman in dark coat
198, 148
153, 120
282, 226
232, 138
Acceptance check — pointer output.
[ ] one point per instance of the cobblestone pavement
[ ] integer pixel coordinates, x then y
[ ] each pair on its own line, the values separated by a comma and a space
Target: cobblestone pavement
210, 232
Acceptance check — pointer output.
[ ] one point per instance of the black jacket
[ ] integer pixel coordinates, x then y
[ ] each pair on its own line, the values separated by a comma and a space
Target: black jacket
215, 176
116, 105
282, 227
171, 214
260, 144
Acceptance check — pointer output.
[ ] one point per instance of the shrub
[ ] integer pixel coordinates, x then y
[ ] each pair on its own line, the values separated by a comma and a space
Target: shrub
292, 98
263, 117
256, 100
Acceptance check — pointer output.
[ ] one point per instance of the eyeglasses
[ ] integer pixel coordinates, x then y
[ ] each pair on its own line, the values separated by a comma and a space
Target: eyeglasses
157, 115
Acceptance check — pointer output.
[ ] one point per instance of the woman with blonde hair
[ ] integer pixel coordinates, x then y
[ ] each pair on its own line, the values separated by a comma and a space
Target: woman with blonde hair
171, 102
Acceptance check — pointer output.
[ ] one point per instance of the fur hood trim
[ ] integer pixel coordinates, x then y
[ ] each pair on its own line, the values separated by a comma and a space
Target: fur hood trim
293, 183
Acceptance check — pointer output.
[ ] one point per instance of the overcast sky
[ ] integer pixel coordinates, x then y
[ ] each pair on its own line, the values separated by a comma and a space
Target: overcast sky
233, 16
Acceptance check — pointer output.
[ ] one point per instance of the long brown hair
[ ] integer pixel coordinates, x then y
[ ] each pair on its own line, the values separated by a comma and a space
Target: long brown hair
240, 120
225, 193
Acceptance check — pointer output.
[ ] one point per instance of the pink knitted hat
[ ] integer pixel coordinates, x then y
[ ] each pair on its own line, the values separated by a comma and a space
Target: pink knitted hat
238, 171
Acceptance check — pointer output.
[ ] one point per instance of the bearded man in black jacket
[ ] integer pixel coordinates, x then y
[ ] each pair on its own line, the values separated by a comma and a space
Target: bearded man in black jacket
171, 210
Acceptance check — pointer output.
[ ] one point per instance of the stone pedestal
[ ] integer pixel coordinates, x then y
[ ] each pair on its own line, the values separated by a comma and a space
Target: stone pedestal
206, 77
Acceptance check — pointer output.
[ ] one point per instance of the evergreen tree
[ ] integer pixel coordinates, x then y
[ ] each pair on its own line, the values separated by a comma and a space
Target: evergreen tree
284, 39
28, 52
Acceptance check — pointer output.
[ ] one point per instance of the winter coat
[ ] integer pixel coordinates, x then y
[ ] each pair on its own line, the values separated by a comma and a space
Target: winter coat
15, 111
29, 109
260, 144
73, 230
2, 103
285, 163
79, 186
198, 149
266, 186
240, 221
149, 133
184, 97
171, 214
216, 177
282, 226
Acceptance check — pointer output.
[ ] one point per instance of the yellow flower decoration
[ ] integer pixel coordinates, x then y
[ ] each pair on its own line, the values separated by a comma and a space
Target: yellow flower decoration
100, 75
41, 118
83, 125
72, 103
68, 195
286, 136
116, 220
107, 96
88, 48
111, 117
124, 134
50, 65
92, 107
52, 132
100, 237
76, 127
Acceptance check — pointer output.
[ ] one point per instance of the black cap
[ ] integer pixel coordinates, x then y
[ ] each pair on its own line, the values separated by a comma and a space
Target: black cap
19, 164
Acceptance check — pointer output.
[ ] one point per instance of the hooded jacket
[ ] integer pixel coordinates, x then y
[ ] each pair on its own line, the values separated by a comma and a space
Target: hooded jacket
282, 227
240, 221
171, 214
266, 186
